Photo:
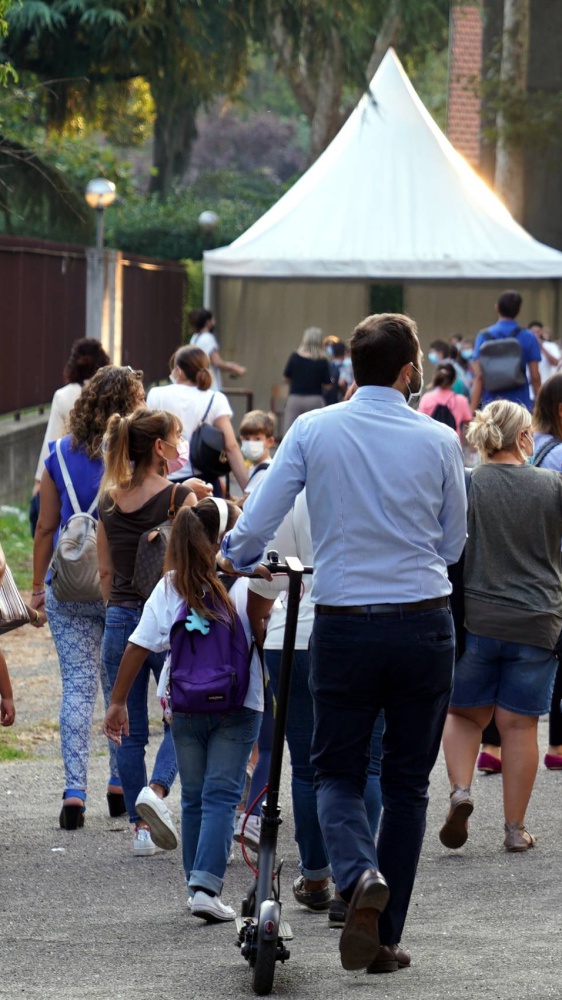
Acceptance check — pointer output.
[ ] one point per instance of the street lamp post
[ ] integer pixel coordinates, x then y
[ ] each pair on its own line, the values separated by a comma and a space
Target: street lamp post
207, 223
99, 195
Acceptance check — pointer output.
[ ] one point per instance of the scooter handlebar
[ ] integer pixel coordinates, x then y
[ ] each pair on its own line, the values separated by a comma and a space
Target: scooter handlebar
292, 564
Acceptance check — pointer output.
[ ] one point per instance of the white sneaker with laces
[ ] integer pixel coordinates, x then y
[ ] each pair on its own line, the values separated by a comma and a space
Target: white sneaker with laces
155, 812
251, 831
210, 908
143, 844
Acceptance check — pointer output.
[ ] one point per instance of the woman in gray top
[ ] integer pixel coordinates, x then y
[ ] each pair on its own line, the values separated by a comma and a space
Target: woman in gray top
513, 616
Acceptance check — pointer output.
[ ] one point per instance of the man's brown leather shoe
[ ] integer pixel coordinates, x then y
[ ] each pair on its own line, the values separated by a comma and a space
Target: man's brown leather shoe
359, 942
390, 958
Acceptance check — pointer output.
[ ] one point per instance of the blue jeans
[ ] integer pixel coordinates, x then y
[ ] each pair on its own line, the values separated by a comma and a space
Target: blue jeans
314, 860
402, 663
77, 630
212, 753
119, 623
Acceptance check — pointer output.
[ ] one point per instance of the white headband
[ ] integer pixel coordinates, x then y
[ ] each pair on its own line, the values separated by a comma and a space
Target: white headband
222, 508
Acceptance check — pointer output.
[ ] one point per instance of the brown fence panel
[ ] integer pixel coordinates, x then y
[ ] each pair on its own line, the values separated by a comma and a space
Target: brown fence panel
153, 297
43, 308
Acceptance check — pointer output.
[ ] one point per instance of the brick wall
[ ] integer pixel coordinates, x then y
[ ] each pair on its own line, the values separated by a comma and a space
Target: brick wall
465, 69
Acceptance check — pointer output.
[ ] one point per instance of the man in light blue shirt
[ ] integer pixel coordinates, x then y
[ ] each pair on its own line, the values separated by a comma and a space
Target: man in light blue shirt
383, 535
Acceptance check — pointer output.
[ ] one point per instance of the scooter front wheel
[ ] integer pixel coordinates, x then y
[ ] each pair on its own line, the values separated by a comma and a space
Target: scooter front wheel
264, 969
266, 947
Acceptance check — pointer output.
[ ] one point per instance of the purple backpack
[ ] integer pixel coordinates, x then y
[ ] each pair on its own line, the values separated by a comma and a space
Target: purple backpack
210, 663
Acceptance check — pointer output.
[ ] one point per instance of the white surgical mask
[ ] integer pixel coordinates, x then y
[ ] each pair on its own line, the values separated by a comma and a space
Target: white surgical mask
173, 377
414, 396
253, 450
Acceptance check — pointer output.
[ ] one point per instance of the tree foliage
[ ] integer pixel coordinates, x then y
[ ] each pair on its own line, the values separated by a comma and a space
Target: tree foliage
330, 49
186, 50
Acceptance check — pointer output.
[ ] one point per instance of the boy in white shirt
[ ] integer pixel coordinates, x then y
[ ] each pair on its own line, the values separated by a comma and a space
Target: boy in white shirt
256, 438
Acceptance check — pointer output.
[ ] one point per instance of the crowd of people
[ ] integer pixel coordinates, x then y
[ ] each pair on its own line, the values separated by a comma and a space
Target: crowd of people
434, 611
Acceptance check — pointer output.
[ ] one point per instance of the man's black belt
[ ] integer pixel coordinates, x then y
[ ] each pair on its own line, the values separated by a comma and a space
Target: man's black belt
381, 609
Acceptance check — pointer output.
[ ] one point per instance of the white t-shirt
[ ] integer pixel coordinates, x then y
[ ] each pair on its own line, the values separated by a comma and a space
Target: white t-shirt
256, 477
292, 539
189, 404
545, 367
57, 426
163, 608
208, 343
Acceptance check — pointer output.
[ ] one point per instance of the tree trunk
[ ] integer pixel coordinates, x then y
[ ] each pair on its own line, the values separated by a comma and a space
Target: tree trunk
510, 153
175, 131
327, 119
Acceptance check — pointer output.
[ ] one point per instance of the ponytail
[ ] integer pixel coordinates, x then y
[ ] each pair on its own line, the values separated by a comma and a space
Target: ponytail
191, 557
445, 376
128, 447
118, 471
194, 364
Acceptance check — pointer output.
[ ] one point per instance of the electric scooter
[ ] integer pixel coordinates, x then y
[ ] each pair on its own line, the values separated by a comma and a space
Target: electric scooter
262, 932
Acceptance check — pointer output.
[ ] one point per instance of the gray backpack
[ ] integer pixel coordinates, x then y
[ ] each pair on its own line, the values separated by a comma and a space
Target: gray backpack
501, 362
74, 567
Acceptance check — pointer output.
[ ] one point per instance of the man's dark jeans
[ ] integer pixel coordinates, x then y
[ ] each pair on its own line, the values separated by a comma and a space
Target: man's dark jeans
404, 664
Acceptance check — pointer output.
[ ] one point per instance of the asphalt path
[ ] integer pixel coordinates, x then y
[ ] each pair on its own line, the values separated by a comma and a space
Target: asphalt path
81, 917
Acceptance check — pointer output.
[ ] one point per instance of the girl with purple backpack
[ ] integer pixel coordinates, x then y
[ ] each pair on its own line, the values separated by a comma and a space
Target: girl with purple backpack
213, 727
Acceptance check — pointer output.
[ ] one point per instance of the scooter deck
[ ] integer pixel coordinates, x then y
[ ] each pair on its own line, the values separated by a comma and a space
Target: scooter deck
285, 932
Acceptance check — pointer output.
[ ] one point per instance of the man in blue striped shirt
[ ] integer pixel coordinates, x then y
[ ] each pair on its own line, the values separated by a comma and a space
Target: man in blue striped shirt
386, 496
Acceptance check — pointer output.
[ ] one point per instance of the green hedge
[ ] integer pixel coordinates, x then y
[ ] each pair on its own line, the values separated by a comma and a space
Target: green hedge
169, 229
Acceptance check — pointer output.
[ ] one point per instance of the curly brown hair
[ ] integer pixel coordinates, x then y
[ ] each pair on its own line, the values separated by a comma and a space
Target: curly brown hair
86, 356
112, 389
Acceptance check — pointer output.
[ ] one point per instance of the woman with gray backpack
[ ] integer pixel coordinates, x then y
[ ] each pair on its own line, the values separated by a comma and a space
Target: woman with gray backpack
66, 579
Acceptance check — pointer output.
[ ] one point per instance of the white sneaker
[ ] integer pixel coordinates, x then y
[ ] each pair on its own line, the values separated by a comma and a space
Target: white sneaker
251, 831
143, 844
155, 812
210, 908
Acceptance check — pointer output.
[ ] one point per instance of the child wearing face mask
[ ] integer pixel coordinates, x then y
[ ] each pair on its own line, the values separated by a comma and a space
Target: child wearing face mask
256, 438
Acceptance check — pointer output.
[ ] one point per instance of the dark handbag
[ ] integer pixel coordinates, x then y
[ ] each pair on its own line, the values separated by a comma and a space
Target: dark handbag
13, 612
207, 451
151, 552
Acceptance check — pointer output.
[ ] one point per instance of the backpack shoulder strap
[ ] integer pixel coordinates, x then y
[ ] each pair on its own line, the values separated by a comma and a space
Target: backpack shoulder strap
206, 414
260, 468
545, 450
172, 508
69, 484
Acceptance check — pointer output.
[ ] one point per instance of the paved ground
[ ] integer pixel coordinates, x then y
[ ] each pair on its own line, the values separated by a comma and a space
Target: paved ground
80, 917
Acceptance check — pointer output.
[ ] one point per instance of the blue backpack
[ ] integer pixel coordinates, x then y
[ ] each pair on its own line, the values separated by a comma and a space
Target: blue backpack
210, 663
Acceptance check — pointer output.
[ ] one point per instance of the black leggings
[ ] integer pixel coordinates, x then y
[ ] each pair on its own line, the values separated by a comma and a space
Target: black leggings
491, 736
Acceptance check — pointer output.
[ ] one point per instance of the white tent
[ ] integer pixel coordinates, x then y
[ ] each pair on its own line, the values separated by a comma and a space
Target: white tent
390, 200
390, 197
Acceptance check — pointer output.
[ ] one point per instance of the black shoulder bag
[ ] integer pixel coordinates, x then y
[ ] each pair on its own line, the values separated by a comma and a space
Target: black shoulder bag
207, 452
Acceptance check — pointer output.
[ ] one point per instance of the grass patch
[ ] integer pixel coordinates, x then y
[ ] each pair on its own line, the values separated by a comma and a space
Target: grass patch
9, 751
17, 543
